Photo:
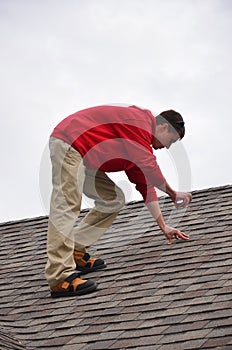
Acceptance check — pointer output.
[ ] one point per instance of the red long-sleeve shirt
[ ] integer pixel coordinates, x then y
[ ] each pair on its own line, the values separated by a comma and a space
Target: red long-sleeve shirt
113, 138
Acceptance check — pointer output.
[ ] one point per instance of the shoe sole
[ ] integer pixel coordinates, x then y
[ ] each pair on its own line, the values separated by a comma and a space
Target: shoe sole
58, 294
83, 270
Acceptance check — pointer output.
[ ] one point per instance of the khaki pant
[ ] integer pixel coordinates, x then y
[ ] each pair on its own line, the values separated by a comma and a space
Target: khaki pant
70, 178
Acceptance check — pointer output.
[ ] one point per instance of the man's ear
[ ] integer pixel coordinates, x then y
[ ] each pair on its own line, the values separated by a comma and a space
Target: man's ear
164, 127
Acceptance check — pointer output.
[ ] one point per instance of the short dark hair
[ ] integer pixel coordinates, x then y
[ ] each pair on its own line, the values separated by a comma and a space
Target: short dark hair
174, 119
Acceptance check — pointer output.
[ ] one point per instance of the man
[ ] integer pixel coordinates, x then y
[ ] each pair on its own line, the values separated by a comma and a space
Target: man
83, 147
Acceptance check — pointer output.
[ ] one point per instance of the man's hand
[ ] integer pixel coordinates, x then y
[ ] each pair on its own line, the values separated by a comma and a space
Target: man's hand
171, 232
182, 199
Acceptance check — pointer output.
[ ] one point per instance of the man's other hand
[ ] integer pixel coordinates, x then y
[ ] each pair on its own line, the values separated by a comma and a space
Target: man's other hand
182, 199
171, 233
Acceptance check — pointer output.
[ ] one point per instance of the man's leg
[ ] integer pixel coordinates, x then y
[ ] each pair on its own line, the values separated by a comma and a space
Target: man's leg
109, 199
67, 169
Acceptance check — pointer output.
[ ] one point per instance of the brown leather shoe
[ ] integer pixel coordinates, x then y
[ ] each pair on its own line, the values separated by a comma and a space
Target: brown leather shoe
72, 286
86, 264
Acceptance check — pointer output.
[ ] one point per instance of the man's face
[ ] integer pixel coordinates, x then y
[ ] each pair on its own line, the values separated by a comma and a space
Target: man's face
164, 138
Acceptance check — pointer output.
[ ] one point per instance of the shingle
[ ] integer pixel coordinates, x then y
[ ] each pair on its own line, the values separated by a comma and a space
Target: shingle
132, 342
122, 326
221, 331
144, 332
185, 345
167, 320
151, 296
100, 345
9, 341
72, 347
220, 342
185, 336
199, 302
208, 315
185, 327
117, 318
146, 347
94, 337
57, 341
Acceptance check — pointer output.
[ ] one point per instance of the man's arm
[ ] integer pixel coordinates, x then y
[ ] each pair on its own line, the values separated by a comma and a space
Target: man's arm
168, 231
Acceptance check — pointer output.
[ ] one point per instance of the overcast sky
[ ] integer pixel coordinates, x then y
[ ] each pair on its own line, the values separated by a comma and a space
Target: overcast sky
59, 56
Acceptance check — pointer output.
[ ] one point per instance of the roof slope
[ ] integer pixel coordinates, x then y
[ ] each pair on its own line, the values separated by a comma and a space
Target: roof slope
151, 296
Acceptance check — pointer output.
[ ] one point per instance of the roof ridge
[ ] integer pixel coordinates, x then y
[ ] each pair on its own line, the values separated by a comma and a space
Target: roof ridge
45, 217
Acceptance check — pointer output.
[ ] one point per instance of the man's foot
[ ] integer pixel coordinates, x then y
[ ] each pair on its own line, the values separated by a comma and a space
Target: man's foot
86, 264
72, 286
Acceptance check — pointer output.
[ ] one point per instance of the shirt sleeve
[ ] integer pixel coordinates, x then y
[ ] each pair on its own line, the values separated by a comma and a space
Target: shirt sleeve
146, 177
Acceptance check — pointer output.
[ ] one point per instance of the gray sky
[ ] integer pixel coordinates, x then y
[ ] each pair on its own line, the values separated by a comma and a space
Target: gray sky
59, 56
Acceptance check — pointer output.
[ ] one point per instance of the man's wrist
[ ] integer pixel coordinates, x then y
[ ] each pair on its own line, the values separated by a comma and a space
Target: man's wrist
171, 193
161, 223
167, 189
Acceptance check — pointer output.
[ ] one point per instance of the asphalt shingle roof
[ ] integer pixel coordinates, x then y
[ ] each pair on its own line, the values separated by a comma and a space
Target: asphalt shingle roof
151, 296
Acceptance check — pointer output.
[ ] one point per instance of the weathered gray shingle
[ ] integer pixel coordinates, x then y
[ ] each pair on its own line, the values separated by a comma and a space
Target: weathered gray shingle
151, 296
9, 342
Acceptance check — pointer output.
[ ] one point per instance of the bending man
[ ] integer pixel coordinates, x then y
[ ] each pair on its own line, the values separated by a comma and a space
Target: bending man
84, 147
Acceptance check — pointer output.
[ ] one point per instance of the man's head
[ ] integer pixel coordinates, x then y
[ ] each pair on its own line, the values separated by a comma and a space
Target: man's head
169, 129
